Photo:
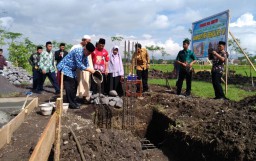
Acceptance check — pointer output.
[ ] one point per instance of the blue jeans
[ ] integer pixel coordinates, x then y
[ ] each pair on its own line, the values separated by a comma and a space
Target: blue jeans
52, 77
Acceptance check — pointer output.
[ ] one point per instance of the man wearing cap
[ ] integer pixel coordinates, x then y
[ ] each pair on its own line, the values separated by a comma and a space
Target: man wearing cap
2, 61
34, 62
76, 59
100, 60
83, 77
59, 55
46, 65
218, 59
185, 58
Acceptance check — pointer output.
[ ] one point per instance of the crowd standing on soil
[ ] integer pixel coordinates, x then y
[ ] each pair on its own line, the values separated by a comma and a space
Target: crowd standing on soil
84, 59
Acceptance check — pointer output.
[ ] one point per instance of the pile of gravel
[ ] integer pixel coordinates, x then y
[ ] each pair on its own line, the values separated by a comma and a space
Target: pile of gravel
113, 100
17, 75
8, 89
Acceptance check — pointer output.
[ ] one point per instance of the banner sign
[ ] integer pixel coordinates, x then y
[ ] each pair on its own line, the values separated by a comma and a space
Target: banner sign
206, 33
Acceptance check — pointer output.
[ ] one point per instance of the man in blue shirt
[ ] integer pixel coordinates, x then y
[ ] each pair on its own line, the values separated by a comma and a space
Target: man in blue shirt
76, 59
185, 58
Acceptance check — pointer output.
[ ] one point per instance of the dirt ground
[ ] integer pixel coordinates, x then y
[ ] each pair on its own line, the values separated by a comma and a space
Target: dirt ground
181, 128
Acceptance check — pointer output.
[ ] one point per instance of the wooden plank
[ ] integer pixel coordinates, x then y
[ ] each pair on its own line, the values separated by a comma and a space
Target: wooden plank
59, 104
44, 145
4, 135
31, 106
7, 130
15, 123
19, 119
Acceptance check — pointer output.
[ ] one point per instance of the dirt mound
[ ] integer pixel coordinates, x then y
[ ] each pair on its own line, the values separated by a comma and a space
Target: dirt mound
98, 144
204, 129
7, 89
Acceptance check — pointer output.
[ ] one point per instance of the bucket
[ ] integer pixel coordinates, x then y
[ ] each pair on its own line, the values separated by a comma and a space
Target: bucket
46, 109
97, 77
65, 107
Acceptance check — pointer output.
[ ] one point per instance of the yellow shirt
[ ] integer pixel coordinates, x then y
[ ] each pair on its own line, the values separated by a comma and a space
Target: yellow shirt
140, 60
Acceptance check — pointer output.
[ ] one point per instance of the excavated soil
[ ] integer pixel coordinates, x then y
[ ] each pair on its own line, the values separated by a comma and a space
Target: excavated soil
181, 128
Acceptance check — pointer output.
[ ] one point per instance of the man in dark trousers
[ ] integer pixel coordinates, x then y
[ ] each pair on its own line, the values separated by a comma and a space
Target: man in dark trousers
76, 59
59, 55
34, 62
141, 62
218, 60
46, 65
2, 61
185, 58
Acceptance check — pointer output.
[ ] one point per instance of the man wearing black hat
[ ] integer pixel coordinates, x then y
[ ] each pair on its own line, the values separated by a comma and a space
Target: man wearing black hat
2, 61
76, 59
218, 60
100, 60
185, 58
59, 54
34, 62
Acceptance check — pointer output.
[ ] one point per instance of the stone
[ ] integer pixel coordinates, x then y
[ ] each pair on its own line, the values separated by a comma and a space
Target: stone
17, 82
113, 93
119, 103
112, 103
105, 100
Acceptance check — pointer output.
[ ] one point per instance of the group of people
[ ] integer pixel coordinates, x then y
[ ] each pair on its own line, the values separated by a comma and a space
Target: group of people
79, 63
83, 59
185, 60
89, 58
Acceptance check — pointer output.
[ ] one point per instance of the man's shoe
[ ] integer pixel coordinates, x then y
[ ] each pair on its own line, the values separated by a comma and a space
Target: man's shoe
38, 91
72, 106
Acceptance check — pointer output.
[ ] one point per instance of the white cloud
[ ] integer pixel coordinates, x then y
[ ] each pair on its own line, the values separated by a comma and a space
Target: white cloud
244, 28
147, 36
161, 22
243, 21
6, 22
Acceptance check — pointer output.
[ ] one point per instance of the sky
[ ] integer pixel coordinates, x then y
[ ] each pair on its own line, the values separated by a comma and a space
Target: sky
151, 22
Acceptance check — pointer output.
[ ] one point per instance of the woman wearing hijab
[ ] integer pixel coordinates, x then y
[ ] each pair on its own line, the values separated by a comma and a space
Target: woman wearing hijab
116, 72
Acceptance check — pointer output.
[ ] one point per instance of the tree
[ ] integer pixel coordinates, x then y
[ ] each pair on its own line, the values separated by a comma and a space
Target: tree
19, 55
12, 36
117, 38
154, 48
164, 53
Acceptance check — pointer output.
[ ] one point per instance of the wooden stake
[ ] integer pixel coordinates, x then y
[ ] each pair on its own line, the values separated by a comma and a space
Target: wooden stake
61, 85
58, 129
242, 50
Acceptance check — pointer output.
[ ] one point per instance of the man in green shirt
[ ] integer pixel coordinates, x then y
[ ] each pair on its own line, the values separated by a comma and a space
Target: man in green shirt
46, 65
185, 58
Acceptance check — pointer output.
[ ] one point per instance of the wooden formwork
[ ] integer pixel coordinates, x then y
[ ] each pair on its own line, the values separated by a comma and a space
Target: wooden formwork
7, 130
50, 136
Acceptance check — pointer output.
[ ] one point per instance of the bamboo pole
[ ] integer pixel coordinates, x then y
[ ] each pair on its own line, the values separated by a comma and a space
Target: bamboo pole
242, 51
58, 129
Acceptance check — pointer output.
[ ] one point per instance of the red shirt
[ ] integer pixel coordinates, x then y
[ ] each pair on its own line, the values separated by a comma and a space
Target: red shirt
99, 59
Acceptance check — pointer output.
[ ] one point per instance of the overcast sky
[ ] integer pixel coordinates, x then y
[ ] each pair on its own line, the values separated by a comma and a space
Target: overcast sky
151, 22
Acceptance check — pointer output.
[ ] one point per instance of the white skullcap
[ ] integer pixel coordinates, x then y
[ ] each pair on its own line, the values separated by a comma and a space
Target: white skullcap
86, 37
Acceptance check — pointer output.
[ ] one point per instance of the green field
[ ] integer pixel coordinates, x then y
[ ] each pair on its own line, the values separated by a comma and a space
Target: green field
205, 90
240, 69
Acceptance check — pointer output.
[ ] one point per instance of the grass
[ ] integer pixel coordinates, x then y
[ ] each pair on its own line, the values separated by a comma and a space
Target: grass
240, 69
205, 89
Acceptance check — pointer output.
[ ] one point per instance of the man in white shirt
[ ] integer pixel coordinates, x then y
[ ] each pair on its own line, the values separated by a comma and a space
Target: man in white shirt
83, 89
